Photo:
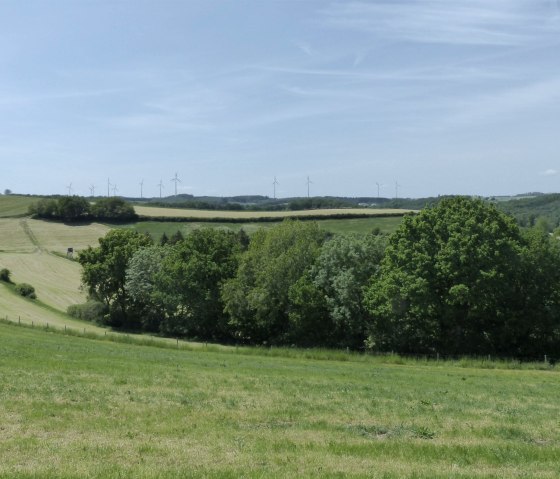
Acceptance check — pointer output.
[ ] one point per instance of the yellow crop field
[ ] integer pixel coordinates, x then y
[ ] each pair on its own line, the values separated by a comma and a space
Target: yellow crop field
233, 215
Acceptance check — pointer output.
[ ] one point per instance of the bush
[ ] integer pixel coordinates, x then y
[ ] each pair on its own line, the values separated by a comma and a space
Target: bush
26, 290
5, 275
92, 311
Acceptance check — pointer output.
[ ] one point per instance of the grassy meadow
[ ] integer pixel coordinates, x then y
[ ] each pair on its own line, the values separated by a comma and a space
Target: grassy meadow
342, 226
75, 407
15, 205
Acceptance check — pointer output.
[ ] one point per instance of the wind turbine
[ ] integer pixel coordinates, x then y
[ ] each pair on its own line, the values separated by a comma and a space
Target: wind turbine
274, 183
309, 182
92, 190
379, 186
397, 186
115, 189
160, 187
141, 186
176, 180
108, 188
69, 187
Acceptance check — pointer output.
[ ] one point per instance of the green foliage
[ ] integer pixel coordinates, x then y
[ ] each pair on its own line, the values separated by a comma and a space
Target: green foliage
92, 311
141, 275
66, 208
5, 274
335, 284
73, 208
189, 282
451, 281
113, 209
257, 299
104, 272
26, 290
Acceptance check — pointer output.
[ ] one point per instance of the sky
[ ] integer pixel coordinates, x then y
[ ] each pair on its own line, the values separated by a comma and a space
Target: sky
406, 97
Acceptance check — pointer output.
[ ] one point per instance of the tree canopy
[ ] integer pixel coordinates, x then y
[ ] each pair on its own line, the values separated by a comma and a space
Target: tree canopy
454, 280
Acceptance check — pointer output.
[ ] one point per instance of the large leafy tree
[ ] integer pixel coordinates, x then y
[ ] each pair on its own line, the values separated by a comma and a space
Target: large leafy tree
257, 298
104, 271
327, 302
189, 282
450, 281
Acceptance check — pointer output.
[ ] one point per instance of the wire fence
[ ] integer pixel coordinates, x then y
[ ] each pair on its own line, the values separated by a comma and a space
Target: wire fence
544, 361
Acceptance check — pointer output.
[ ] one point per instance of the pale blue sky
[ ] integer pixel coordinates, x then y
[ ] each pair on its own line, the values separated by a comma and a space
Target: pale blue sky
443, 96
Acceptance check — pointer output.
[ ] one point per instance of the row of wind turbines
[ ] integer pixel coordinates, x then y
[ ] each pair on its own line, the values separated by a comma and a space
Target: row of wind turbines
113, 187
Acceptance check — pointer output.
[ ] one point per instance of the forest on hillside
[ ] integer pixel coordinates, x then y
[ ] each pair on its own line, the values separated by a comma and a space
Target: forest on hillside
460, 277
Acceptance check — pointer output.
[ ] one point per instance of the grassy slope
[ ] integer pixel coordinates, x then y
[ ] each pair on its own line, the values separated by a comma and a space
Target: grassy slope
26, 248
15, 205
81, 408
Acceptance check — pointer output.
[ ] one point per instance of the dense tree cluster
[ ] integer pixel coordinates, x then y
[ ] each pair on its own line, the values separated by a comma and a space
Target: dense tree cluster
77, 208
458, 278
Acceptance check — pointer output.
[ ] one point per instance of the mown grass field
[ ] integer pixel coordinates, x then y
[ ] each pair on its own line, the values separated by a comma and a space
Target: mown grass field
73, 407
15, 205
30, 249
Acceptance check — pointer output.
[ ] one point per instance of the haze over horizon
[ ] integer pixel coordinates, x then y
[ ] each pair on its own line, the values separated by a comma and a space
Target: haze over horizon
444, 97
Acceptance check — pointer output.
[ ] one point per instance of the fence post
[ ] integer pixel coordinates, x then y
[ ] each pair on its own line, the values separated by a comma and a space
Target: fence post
177, 342
18, 321
545, 359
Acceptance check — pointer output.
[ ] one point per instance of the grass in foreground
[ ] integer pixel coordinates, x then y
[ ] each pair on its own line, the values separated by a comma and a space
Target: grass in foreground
74, 407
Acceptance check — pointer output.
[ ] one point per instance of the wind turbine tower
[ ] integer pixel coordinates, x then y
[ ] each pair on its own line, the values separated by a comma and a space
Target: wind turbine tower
92, 190
379, 185
141, 187
309, 182
160, 187
115, 189
69, 187
108, 188
397, 186
176, 180
274, 183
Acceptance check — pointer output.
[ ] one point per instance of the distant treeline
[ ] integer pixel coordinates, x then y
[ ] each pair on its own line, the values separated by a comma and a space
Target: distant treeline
76, 208
460, 277
231, 205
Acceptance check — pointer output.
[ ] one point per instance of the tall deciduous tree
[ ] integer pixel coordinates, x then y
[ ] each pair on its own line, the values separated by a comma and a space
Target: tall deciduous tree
257, 299
189, 283
449, 282
104, 271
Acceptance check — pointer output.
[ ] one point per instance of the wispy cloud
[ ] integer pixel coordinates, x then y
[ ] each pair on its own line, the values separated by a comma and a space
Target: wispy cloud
458, 22
549, 172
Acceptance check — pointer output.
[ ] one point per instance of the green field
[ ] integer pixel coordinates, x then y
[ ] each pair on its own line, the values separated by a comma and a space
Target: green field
15, 205
353, 225
74, 407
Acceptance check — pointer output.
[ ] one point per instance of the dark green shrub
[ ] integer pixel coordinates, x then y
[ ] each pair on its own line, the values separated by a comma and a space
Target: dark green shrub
92, 311
26, 290
5, 275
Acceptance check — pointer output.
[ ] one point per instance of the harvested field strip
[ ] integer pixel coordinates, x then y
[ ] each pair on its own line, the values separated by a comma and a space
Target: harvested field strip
147, 211
13, 237
58, 237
